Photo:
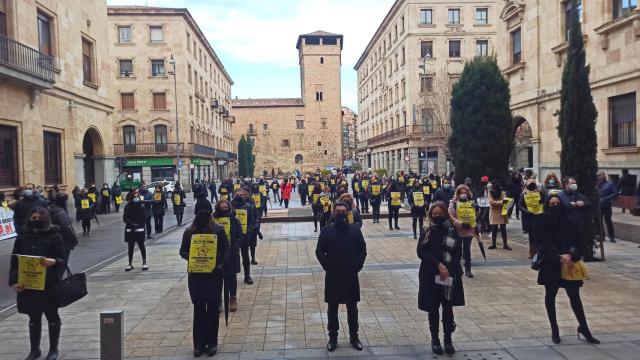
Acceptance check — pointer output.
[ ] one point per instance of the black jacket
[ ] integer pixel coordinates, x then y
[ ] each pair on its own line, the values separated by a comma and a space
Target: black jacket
48, 244
251, 217
626, 185
235, 241
342, 253
134, 217
158, 207
556, 236
22, 208
88, 213
443, 195
60, 217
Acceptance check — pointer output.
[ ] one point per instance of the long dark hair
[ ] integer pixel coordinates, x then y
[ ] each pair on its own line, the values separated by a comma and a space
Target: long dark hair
427, 226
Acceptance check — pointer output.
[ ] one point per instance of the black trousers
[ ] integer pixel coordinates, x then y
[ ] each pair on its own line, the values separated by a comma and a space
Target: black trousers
158, 220
206, 320
116, 206
276, 196
416, 220
286, 203
375, 205
364, 203
106, 206
214, 197
333, 325
466, 252
147, 225
143, 250
86, 225
447, 323
246, 263
357, 198
494, 233
393, 214
35, 327
179, 216
303, 199
606, 212
550, 292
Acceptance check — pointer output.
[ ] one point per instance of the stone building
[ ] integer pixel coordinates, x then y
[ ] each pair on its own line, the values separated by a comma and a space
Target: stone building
349, 133
536, 41
301, 133
405, 75
145, 45
55, 99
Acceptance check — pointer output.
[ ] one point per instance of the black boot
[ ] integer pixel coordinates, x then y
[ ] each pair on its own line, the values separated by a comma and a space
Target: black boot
355, 343
54, 336
396, 221
448, 345
35, 330
555, 334
332, 344
587, 335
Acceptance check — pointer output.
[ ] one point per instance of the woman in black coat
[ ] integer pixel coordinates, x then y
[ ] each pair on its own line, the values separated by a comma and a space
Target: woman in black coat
205, 288
225, 217
158, 207
559, 243
178, 201
417, 211
440, 250
86, 206
39, 238
394, 209
134, 217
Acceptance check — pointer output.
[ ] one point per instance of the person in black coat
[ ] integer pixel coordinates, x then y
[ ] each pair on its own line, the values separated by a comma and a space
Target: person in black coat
303, 191
105, 198
178, 198
528, 217
417, 210
224, 215
23, 207
158, 207
559, 243
243, 209
87, 210
202, 203
60, 217
39, 238
134, 217
445, 193
393, 189
213, 190
116, 195
440, 250
375, 198
205, 288
341, 250
147, 204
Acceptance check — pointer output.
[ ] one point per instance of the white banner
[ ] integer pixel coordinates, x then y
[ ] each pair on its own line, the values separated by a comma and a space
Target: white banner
7, 230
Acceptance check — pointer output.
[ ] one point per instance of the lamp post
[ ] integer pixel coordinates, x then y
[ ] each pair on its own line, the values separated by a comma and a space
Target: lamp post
175, 96
423, 66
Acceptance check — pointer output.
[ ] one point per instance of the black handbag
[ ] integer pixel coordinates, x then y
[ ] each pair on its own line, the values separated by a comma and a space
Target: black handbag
70, 289
536, 262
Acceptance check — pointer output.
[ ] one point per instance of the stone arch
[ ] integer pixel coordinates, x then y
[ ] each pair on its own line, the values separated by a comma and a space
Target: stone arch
92, 148
299, 159
523, 148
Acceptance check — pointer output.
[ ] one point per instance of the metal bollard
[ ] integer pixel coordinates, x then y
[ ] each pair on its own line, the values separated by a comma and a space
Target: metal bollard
112, 335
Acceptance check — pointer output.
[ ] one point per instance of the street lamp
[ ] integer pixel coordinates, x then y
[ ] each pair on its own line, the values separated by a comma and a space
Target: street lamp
423, 66
175, 96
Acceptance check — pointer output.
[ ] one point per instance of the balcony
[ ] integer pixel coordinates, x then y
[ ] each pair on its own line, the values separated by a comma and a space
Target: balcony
227, 135
26, 65
144, 149
252, 132
197, 149
362, 145
214, 103
222, 110
411, 132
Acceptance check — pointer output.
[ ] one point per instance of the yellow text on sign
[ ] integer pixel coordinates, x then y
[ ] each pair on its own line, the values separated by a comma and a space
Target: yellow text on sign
31, 274
466, 213
418, 198
241, 214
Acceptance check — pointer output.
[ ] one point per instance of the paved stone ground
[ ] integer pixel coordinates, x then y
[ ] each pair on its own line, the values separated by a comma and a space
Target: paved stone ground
283, 314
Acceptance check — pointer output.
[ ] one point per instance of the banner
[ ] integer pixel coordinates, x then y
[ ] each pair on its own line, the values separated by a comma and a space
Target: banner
315, 198
356, 186
310, 188
263, 189
418, 199
532, 200
466, 212
326, 204
157, 196
177, 199
350, 218
236, 186
202, 253
507, 205
395, 198
365, 184
92, 196
84, 203
225, 222
256, 200
31, 274
7, 229
426, 189
118, 199
241, 214
105, 193
375, 189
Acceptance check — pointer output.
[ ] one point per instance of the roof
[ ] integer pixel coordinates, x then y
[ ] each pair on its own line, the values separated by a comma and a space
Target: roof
277, 102
319, 33
167, 11
392, 11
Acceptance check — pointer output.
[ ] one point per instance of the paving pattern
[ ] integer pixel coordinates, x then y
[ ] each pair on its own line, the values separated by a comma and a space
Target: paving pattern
283, 314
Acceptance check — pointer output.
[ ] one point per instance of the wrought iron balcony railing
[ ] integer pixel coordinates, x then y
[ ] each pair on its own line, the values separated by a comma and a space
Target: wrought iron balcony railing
144, 149
26, 60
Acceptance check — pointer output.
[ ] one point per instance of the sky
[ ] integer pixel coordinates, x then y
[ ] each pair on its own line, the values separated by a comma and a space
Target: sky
256, 39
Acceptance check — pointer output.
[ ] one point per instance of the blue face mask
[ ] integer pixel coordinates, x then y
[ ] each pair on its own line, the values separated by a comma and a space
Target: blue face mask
446, 186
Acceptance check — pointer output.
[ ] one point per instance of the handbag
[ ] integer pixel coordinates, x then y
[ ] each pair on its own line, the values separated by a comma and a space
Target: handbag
536, 262
70, 289
577, 272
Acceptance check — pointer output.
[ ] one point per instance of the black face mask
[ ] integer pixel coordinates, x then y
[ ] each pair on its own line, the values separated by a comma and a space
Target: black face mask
238, 200
35, 224
223, 213
439, 220
531, 186
341, 220
554, 211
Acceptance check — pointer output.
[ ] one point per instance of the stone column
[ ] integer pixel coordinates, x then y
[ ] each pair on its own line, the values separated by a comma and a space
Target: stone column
79, 169
402, 162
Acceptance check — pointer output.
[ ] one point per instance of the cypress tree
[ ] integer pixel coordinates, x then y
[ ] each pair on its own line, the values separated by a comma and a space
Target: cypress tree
251, 158
577, 124
482, 136
242, 157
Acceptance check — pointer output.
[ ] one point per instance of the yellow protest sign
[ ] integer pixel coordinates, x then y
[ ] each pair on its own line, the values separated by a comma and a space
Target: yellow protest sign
225, 222
256, 199
326, 204
92, 196
532, 200
177, 199
395, 198
84, 203
466, 213
333, 181
157, 196
203, 253
365, 184
356, 186
263, 189
236, 186
310, 188
105, 193
434, 184
241, 214
375, 189
118, 199
426, 189
31, 274
506, 205
401, 179
418, 199
411, 182
224, 196
350, 218
315, 198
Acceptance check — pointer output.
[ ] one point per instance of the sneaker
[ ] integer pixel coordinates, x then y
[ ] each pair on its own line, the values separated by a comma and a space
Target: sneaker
129, 268
145, 267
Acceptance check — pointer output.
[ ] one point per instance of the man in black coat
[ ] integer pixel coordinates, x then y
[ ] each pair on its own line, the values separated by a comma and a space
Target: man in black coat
59, 216
341, 251
29, 200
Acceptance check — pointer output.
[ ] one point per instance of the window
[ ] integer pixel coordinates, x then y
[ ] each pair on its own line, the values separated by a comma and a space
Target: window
403, 55
482, 47
319, 143
454, 48
623, 7
127, 101
427, 120
569, 15
454, 16
323, 121
319, 96
330, 41
516, 47
321, 60
159, 101
402, 24
622, 120
403, 85
52, 158
129, 138
426, 49
482, 16
8, 156
265, 127
299, 124
160, 132
426, 84
155, 34
395, 32
299, 159
87, 61
285, 142
126, 67
312, 41
157, 68
124, 34
426, 16
326, 152
190, 104
44, 34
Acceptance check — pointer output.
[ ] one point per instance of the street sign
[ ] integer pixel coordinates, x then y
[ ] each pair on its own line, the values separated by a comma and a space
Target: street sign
121, 161
407, 158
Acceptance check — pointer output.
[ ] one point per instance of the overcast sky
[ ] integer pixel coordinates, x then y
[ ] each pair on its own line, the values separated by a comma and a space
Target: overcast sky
256, 39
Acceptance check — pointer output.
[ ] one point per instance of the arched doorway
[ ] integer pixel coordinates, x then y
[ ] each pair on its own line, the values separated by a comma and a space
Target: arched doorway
299, 159
93, 148
522, 156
